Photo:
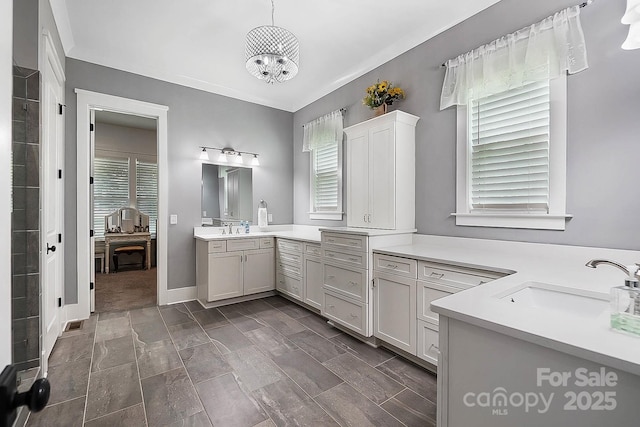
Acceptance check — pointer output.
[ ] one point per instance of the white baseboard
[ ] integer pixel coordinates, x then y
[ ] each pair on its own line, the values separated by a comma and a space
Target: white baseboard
180, 295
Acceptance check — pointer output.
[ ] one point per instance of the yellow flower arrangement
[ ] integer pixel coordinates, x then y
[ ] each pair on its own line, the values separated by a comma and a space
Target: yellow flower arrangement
382, 92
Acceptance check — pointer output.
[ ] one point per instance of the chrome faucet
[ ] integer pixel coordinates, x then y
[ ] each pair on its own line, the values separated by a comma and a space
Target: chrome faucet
630, 270
230, 228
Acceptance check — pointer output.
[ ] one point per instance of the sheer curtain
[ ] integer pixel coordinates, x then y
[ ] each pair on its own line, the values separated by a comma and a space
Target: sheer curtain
323, 130
541, 51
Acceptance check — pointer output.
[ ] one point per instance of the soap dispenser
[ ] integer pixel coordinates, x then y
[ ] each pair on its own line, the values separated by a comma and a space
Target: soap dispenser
625, 300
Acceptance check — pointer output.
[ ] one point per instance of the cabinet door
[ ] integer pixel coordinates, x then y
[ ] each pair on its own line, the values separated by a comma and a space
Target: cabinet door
259, 271
313, 282
225, 275
382, 177
358, 181
394, 314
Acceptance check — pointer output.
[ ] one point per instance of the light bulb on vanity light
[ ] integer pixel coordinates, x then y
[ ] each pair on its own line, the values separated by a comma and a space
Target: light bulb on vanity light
222, 158
255, 161
632, 19
203, 154
238, 158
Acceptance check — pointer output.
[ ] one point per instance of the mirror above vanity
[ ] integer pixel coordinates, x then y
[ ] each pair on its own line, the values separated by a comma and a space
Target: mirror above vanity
226, 194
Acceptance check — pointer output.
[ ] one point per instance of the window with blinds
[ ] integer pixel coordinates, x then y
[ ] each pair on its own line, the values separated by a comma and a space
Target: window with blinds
110, 189
509, 150
147, 191
325, 178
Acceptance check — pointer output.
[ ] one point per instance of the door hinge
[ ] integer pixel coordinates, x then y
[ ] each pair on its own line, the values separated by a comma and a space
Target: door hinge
59, 302
90, 180
59, 173
90, 127
373, 283
59, 237
90, 233
60, 108
90, 285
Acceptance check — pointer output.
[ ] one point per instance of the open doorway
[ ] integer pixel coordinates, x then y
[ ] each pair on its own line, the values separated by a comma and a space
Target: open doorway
124, 211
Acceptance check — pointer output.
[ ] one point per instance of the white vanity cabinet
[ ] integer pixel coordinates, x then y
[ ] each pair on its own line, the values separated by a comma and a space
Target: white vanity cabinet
289, 272
313, 275
402, 294
234, 268
381, 172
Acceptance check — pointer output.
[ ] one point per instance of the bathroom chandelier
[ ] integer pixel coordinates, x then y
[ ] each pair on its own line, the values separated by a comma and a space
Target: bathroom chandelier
272, 53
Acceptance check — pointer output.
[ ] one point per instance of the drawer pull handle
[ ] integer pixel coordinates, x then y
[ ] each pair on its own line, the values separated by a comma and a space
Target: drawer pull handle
394, 266
354, 243
352, 283
482, 282
331, 240
331, 306
331, 277
437, 275
435, 347
354, 259
331, 255
353, 316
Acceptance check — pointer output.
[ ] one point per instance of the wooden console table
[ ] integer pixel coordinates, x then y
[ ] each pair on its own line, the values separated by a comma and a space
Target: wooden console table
140, 236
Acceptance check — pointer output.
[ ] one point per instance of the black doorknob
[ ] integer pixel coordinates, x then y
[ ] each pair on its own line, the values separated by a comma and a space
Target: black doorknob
35, 398
51, 248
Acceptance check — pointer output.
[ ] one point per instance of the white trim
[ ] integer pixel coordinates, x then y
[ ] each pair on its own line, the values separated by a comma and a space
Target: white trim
557, 216
174, 296
87, 101
6, 92
331, 216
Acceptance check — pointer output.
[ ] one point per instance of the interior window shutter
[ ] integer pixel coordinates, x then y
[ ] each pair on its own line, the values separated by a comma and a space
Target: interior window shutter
510, 150
110, 189
147, 191
325, 185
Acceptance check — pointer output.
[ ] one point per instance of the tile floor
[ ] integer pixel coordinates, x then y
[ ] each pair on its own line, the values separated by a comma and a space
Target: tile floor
259, 363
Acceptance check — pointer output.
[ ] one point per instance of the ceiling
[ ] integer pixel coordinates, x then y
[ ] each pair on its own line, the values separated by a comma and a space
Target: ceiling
200, 43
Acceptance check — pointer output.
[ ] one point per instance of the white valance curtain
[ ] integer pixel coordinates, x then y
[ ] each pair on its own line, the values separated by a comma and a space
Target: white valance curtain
540, 52
323, 130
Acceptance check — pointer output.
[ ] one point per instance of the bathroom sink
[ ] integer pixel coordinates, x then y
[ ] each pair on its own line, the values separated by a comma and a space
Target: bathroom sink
558, 298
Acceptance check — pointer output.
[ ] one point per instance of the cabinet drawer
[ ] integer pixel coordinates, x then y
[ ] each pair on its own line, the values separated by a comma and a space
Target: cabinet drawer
339, 240
357, 259
289, 285
312, 249
266, 242
454, 276
289, 245
428, 292
242, 244
428, 345
289, 258
290, 270
347, 281
217, 246
347, 313
401, 266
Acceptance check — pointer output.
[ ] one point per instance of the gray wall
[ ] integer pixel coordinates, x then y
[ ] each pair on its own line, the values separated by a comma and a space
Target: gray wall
603, 127
195, 118
25, 33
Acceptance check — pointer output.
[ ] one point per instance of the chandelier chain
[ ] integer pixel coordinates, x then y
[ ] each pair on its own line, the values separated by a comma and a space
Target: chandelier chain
273, 11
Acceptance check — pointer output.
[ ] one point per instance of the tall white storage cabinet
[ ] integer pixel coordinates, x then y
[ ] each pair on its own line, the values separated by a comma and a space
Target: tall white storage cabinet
381, 172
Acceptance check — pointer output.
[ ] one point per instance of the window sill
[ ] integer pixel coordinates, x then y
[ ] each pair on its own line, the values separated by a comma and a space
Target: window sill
533, 221
330, 216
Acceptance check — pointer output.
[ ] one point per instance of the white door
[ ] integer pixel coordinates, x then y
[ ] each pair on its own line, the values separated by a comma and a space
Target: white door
358, 181
52, 203
92, 239
394, 313
225, 275
259, 271
382, 178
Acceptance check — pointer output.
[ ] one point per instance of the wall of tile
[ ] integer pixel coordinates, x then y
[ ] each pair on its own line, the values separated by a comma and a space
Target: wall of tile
25, 220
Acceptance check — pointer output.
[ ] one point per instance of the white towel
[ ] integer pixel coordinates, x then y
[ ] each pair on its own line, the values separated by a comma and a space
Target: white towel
262, 217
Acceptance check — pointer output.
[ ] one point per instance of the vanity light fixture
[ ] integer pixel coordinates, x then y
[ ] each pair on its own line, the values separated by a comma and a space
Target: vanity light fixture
229, 155
272, 53
632, 19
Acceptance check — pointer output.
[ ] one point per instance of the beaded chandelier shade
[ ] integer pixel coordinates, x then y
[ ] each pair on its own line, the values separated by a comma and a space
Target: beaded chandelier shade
272, 53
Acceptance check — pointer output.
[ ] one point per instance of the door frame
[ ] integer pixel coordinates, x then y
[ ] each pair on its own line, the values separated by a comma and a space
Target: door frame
87, 101
6, 94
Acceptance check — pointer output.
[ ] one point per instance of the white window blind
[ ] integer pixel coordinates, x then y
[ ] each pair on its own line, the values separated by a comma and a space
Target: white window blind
325, 177
147, 191
110, 189
509, 161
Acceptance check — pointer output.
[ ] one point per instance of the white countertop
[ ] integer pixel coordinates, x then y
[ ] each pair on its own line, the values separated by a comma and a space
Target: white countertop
372, 232
588, 338
295, 232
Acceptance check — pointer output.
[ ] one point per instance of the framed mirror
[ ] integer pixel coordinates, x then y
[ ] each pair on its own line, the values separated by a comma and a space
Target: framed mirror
227, 194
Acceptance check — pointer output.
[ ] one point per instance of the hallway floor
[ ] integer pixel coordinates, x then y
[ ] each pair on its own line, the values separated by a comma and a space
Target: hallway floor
259, 363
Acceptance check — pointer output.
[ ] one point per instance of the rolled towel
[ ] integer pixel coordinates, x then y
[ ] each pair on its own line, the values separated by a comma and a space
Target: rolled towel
262, 217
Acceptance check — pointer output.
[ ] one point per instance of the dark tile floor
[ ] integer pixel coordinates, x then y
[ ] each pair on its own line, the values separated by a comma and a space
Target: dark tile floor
259, 363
